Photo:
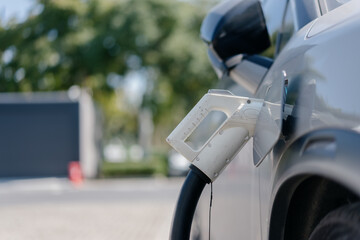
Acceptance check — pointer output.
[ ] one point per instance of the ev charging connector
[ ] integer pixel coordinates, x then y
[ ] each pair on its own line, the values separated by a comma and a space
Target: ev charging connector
218, 151
210, 159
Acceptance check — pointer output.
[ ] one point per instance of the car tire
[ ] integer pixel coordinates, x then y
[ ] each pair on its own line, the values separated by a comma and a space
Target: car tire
340, 224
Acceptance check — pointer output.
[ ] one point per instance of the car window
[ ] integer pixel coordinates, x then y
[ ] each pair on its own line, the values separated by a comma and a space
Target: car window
329, 5
287, 29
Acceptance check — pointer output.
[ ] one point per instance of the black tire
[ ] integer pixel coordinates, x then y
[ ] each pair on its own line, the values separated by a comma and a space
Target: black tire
340, 224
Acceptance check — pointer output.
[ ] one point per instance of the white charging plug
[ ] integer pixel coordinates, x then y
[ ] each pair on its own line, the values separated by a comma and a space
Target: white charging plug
229, 138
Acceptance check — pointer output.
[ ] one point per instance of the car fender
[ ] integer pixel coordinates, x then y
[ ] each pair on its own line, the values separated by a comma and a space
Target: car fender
331, 153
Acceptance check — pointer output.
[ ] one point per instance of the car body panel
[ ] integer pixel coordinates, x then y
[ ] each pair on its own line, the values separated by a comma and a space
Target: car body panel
313, 73
236, 187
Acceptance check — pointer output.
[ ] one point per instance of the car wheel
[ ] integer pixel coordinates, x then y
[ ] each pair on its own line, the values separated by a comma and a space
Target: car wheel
340, 224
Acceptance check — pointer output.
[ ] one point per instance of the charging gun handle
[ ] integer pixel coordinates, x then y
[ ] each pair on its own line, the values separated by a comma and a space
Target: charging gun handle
209, 102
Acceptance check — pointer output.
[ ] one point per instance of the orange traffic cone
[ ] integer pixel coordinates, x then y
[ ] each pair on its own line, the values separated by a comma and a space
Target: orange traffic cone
75, 173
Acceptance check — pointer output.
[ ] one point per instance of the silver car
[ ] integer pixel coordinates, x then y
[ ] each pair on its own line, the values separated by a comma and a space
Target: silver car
298, 177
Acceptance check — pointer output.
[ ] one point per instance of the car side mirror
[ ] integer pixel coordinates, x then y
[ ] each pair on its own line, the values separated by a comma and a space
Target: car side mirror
236, 27
234, 31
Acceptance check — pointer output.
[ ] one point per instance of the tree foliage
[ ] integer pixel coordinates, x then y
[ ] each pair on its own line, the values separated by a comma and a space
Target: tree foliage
107, 46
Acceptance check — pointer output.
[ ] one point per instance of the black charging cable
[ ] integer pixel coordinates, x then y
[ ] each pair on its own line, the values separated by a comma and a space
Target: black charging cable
189, 196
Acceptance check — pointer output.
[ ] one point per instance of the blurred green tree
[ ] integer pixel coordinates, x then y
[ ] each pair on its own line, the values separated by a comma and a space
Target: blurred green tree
131, 55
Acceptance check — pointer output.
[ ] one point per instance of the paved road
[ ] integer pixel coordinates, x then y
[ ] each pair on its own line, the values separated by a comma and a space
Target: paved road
53, 209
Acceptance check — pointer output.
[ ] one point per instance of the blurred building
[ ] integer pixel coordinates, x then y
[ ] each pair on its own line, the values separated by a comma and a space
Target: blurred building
41, 133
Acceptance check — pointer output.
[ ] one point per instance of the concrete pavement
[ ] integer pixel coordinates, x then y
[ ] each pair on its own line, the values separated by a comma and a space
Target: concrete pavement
103, 209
